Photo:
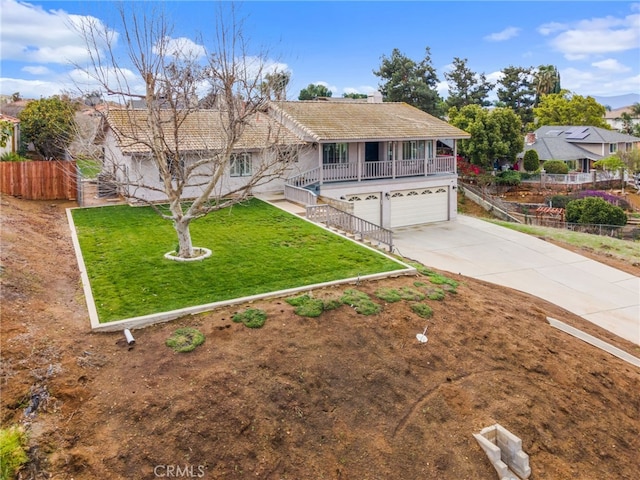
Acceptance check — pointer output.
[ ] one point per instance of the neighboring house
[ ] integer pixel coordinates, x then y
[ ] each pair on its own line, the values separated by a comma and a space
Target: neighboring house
579, 146
615, 120
13, 142
388, 163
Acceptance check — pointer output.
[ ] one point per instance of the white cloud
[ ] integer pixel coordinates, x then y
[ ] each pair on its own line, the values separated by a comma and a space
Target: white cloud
361, 89
597, 81
36, 70
31, 34
598, 36
505, 34
32, 88
181, 47
551, 27
612, 65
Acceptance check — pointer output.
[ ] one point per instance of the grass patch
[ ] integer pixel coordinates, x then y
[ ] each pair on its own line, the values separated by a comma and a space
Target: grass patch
392, 295
185, 339
306, 306
437, 294
13, 453
252, 318
123, 250
438, 279
422, 309
360, 301
89, 168
621, 249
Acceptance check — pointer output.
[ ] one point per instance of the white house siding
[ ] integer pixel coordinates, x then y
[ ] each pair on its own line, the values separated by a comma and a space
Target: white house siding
130, 171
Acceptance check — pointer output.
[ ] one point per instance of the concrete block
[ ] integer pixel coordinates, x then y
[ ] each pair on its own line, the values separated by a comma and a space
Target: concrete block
504, 451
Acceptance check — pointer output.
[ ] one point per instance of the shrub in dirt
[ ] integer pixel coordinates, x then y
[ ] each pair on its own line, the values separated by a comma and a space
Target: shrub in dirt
436, 294
436, 278
360, 301
392, 295
594, 210
422, 309
12, 451
559, 201
607, 197
306, 306
509, 178
531, 161
252, 317
555, 167
185, 339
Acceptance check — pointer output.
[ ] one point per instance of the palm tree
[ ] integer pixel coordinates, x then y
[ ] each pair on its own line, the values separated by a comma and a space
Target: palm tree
546, 80
635, 110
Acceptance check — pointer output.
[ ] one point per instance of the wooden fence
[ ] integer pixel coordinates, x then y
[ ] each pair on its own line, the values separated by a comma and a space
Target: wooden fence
52, 180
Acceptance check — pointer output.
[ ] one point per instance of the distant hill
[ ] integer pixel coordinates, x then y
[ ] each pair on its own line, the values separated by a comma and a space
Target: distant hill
618, 101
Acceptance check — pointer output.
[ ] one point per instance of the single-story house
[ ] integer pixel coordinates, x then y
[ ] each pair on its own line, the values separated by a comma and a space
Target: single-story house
381, 161
579, 146
13, 141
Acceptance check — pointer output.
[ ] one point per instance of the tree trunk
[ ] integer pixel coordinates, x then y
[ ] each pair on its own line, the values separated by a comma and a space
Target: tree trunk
185, 248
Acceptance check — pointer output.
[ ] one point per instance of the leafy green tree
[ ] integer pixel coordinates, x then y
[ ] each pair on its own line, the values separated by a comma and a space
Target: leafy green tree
354, 95
49, 124
635, 110
627, 123
594, 210
555, 167
466, 87
495, 134
531, 161
404, 80
622, 162
314, 91
517, 92
547, 81
565, 108
6, 132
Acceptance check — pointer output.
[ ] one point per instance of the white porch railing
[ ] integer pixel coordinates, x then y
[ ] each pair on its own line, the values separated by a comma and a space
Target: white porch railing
300, 195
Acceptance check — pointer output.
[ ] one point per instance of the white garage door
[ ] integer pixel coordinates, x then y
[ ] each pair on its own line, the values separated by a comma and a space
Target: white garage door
366, 206
423, 205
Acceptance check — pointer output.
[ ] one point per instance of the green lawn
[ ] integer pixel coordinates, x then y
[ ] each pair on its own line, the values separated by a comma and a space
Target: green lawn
256, 248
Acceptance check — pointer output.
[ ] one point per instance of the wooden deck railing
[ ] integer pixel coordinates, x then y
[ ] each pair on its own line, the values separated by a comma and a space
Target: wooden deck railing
334, 218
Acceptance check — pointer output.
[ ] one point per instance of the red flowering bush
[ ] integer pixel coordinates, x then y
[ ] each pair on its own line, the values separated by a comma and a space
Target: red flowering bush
467, 169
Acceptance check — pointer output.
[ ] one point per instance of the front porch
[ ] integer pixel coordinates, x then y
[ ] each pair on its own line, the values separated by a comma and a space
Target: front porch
374, 170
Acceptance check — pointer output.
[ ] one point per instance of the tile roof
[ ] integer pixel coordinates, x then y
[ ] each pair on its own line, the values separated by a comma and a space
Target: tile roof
344, 121
201, 130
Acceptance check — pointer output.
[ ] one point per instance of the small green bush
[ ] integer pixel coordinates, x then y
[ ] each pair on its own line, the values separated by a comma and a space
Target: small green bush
436, 294
392, 295
12, 157
307, 306
360, 301
508, 177
422, 309
252, 317
555, 167
185, 339
13, 441
594, 210
560, 201
531, 161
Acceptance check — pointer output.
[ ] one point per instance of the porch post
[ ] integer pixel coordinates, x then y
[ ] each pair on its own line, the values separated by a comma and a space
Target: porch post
321, 176
455, 156
393, 159
426, 158
359, 164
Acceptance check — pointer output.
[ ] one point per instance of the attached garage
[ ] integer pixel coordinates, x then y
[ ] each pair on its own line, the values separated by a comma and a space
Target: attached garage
367, 206
420, 205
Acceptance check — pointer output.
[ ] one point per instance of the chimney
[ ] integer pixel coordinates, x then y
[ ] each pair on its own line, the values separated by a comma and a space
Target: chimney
375, 97
530, 138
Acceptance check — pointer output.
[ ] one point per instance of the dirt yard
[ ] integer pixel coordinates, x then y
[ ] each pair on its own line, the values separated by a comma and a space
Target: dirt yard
343, 396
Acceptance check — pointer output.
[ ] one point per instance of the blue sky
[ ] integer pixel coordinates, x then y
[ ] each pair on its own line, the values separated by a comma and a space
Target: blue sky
594, 44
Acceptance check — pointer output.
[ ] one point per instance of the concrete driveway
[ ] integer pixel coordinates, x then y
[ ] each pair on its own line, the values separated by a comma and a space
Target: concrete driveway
600, 294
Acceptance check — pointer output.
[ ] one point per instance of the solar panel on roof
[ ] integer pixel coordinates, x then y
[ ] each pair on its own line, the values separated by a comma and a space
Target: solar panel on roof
577, 133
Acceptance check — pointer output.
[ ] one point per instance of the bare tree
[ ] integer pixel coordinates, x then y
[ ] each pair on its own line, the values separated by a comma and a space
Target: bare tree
191, 148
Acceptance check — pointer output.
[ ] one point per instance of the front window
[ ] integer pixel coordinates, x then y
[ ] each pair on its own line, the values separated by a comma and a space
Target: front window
335, 153
613, 147
413, 150
241, 165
